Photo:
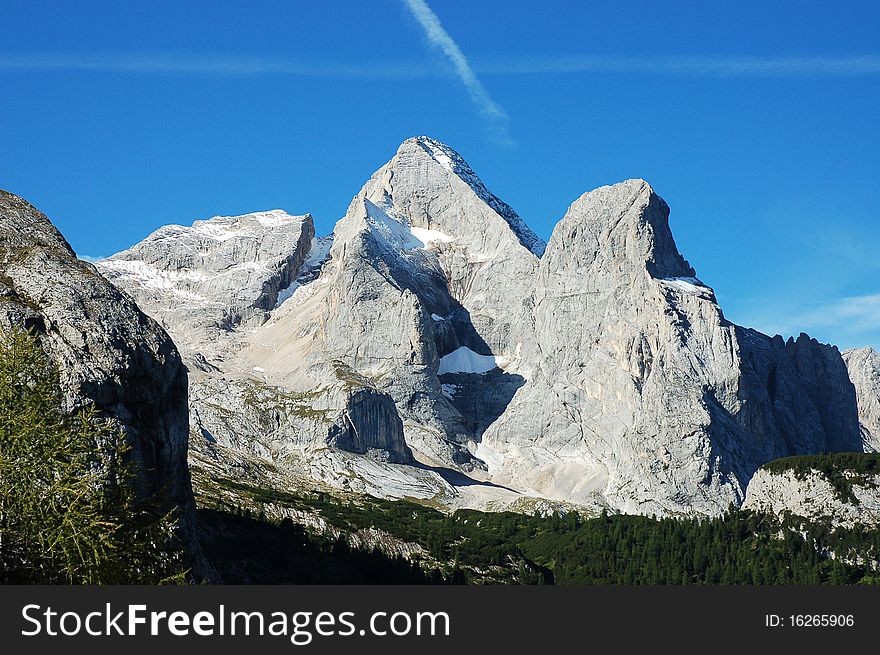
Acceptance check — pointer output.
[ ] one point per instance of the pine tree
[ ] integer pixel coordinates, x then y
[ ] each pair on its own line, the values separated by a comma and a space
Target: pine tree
68, 513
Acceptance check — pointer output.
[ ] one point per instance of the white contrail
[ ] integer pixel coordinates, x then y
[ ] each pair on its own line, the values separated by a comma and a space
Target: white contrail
440, 38
700, 65
188, 64
696, 65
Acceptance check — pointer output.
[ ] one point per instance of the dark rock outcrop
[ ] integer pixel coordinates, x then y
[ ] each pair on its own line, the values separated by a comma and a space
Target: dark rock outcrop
109, 353
370, 424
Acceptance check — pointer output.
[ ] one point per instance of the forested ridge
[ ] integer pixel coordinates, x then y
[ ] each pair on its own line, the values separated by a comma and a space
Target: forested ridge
739, 547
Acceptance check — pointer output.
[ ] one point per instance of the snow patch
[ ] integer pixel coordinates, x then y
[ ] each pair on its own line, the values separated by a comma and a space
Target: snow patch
689, 285
441, 153
319, 253
454, 163
437, 318
150, 277
223, 228
465, 360
427, 237
395, 233
217, 231
274, 218
286, 294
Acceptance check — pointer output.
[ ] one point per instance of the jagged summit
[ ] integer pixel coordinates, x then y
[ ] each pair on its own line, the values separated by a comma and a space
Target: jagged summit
455, 163
220, 228
203, 280
629, 222
434, 325
268, 218
639, 389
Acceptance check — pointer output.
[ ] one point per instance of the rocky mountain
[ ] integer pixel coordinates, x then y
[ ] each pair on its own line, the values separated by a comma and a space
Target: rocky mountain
109, 352
219, 274
434, 348
843, 497
639, 389
863, 365
426, 289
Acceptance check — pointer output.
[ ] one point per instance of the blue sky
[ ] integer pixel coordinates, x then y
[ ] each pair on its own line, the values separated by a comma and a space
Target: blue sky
756, 121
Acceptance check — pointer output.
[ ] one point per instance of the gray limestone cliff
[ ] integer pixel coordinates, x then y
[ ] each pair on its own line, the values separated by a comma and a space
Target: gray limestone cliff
863, 365
211, 285
204, 281
639, 389
435, 328
425, 263
109, 353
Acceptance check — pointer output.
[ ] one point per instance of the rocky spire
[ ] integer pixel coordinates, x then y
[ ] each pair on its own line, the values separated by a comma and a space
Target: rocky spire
455, 163
639, 390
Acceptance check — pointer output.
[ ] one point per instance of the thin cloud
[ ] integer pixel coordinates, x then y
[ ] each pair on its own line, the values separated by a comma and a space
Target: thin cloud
859, 313
187, 64
440, 38
698, 65
219, 65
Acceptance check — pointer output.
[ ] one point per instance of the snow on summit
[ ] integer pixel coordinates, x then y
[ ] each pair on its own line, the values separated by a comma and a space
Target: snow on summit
228, 224
397, 233
455, 163
223, 228
216, 273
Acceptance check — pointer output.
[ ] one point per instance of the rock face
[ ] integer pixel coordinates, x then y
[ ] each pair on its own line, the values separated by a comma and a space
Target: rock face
435, 326
812, 496
639, 389
425, 263
213, 283
109, 352
251, 416
202, 282
863, 365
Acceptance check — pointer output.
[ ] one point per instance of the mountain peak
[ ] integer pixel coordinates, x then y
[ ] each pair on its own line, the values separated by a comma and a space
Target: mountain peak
268, 218
626, 222
438, 151
224, 228
25, 225
210, 277
453, 162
